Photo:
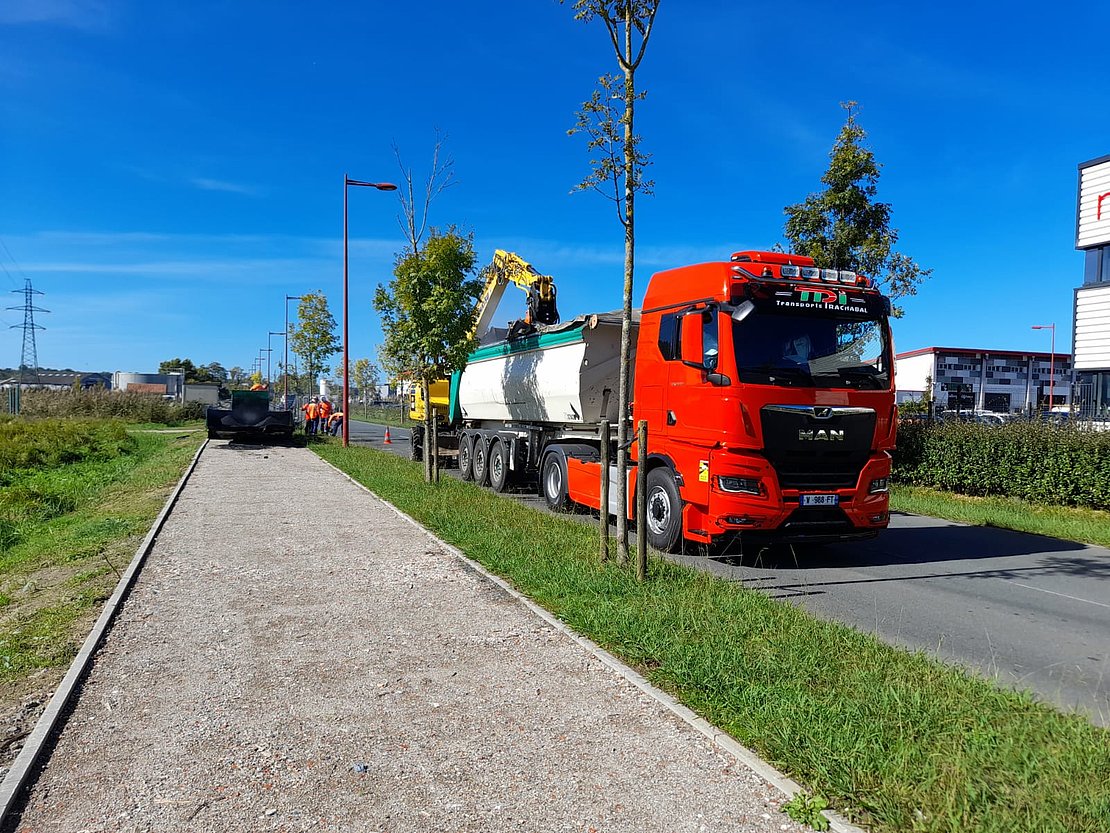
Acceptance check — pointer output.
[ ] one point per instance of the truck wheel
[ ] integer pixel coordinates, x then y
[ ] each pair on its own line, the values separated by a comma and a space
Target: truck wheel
466, 457
664, 511
553, 481
416, 439
481, 460
498, 466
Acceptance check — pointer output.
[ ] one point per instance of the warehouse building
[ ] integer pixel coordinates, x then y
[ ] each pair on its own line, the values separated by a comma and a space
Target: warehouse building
1002, 381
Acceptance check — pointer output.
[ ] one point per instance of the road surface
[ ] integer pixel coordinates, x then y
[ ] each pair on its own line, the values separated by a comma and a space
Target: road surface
1030, 611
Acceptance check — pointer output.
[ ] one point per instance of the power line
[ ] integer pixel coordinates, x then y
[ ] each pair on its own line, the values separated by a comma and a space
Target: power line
29, 358
15, 263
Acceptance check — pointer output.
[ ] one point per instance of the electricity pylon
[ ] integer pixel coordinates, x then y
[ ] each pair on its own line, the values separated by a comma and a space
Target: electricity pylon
29, 358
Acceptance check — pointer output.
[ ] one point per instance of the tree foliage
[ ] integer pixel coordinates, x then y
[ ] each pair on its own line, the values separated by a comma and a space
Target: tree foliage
313, 336
207, 374
429, 306
365, 374
845, 227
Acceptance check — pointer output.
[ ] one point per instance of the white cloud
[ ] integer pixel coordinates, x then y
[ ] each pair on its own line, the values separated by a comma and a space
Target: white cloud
207, 184
90, 15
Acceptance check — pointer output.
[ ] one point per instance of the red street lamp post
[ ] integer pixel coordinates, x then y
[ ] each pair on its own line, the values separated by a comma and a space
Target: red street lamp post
1051, 364
381, 186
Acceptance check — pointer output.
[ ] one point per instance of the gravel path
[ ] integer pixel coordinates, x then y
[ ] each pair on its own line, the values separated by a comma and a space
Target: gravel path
296, 656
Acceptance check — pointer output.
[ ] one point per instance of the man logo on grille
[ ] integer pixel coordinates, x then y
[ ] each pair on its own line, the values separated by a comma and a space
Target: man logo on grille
821, 436
822, 413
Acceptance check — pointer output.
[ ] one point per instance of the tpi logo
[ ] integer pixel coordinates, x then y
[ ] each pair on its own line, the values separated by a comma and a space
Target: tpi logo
821, 296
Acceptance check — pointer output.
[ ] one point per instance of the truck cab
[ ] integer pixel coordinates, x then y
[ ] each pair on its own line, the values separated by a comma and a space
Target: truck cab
768, 387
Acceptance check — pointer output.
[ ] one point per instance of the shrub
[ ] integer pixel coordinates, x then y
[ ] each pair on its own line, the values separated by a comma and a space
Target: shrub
103, 404
50, 443
1038, 462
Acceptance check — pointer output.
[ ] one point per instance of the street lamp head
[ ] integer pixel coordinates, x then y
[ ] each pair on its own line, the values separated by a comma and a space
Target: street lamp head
381, 186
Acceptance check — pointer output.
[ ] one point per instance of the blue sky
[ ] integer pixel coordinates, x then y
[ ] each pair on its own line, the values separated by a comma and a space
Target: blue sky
170, 171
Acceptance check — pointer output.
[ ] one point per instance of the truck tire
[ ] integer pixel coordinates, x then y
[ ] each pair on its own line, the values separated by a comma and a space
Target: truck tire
481, 460
466, 457
664, 511
553, 482
416, 444
498, 466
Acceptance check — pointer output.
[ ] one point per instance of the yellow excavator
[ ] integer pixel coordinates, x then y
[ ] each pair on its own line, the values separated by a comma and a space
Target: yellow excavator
506, 268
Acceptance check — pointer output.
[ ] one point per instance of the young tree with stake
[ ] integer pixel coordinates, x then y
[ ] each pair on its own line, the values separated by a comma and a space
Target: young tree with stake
617, 173
428, 313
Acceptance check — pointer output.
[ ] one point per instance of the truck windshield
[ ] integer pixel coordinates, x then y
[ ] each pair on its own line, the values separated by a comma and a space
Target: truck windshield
812, 350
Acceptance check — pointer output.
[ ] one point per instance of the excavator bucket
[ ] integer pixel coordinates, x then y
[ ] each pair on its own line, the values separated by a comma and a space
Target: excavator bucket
250, 418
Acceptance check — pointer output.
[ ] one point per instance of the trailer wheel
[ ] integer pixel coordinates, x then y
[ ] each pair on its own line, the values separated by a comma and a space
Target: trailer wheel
481, 460
466, 457
498, 466
664, 510
553, 481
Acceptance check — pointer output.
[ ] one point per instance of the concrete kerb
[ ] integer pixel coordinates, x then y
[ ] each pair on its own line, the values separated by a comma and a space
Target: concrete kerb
17, 776
786, 785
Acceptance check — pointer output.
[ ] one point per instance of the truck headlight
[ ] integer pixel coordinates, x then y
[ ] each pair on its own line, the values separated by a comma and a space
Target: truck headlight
739, 485
878, 486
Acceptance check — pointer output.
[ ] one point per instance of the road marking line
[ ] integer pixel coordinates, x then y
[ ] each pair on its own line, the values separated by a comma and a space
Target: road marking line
1065, 595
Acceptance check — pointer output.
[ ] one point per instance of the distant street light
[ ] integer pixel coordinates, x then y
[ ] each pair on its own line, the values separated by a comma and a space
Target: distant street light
270, 335
1051, 364
288, 298
381, 186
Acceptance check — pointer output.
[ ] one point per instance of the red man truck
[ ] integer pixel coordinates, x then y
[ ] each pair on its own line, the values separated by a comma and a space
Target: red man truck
767, 385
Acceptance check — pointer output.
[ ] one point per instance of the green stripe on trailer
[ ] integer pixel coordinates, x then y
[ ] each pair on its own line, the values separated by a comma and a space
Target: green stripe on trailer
540, 341
454, 412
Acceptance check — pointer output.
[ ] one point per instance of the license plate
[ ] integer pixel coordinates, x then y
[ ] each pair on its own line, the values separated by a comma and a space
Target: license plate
819, 500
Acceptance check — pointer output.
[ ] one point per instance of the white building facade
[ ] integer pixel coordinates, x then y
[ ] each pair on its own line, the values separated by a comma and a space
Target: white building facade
1002, 381
1091, 321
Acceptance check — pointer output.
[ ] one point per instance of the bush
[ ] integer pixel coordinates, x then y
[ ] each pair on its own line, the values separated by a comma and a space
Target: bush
103, 404
1038, 462
34, 445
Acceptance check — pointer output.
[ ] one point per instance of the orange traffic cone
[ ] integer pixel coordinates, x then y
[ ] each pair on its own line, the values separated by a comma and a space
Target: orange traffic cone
387, 440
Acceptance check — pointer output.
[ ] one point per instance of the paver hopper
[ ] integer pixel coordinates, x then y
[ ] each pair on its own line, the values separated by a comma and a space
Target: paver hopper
250, 418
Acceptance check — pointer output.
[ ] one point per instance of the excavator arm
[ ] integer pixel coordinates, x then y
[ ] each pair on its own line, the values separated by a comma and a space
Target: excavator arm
509, 268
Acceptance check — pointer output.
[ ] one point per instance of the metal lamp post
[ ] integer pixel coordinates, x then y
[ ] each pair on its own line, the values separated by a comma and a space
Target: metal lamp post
269, 355
381, 186
1051, 364
288, 298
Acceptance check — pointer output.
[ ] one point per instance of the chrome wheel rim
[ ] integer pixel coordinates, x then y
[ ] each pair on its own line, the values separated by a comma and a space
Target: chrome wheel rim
658, 511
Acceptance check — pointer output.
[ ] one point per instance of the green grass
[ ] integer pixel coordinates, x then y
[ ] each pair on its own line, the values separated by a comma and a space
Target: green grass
67, 530
391, 415
895, 739
1088, 526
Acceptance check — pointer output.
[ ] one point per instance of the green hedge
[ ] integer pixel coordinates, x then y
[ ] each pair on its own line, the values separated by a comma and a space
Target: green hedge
1038, 462
103, 404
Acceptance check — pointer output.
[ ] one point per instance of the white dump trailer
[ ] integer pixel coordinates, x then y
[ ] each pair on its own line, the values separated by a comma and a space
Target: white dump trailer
563, 376
516, 396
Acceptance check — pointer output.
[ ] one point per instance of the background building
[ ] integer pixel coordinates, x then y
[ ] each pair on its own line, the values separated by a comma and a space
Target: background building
1091, 324
1003, 381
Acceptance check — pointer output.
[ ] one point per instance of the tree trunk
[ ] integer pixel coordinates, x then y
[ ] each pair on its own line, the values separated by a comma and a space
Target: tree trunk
624, 414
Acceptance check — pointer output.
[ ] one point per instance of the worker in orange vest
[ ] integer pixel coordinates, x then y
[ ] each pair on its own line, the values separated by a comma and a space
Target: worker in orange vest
311, 414
335, 423
324, 413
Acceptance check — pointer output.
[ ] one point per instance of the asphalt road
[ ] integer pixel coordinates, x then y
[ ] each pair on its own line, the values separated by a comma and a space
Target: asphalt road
1029, 611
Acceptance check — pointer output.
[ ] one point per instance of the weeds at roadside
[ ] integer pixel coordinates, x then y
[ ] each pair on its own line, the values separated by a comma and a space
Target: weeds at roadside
806, 809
